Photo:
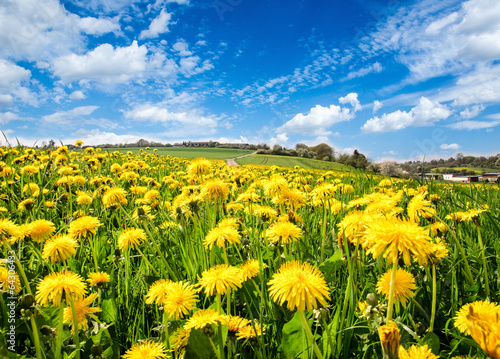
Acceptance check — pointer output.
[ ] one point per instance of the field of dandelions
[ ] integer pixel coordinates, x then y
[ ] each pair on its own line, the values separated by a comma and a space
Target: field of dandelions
116, 255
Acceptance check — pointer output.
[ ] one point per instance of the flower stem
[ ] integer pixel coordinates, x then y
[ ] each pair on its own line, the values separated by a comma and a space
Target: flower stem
76, 337
309, 335
58, 353
434, 293
391, 292
167, 334
485, 267
36, 337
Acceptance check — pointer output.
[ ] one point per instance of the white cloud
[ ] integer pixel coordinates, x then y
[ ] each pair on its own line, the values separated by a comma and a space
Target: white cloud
181, 47
6, 117
65, 117
317, 121
351, 99
182, 123
96, 137
77, 95
474, 125
158, 26
5, 100
180, 2
12, 75
377, 105
104, 63
373, 68
472, 112
451, 146
98, 26
426, 113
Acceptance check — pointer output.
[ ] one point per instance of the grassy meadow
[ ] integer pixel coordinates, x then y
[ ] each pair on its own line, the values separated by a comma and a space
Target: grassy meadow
285, 161
188, 152
137, 254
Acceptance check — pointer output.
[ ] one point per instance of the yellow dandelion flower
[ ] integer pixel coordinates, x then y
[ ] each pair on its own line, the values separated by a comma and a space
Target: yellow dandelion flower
131, 238
215, 189
220, 236
83, 312
437, 228
29, 169
234, 323
414, 352
146, 350
84, 199
59, 248
220, 279
403, 290
31, 189
180, 300
199, 166
180, 340
252, 330
353, 226
290, 197
57, 287
485, 310
385, 183
390, 339
203, 318
9, 281
158, 292
251, 269
420, 207
78, 143
394, 238
26, 204
437, 251
323, 193
300, 284
84, 226
265, 213
98, 278
8, 229
151, 195
41, 229
114, 197
283, 233
275, 185
49, 204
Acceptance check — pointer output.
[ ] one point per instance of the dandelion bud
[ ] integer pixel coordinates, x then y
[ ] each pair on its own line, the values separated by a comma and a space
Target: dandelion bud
27, 301
47, 331
390, 339
372, 300
208, 330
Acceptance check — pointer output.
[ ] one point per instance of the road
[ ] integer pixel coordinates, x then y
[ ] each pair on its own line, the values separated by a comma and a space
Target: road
232, 162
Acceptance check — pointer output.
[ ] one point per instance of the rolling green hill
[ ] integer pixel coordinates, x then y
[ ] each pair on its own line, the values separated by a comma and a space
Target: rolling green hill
285, 161
188, 152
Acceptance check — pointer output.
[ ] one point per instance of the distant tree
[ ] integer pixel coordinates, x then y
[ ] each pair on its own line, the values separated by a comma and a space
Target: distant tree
322, 150
373, 167
390, 168
299, 146
277, 150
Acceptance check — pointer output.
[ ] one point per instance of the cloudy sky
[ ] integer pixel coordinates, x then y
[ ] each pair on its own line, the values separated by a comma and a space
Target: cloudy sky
395, 79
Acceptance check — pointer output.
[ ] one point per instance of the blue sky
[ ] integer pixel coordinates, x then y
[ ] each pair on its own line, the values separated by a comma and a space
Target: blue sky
394, 79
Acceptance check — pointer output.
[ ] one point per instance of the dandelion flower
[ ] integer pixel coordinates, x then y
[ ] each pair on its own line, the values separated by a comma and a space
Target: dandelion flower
252, 330
131, 238
437, 251
98, 278
390, 339
84, 199
84, 226
220, 236
275, 185
83, 311
27, 204
199, 166
291, 197
420, 207
394, 238
146, 350
114, 197
158, 292
486, 310
215, 189
180, 300
250, 269
57, 287
405, 284
235, 323
283, 233
204, 317
32, 189
300, 284
41, 229
220, 279
9, 282
8, 229
180, 340
414, 352
59, 248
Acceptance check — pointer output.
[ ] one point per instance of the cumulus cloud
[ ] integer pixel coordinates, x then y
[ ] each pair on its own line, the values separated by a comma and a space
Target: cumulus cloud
105, 64
426, 113
98, 26
351, 99
158, 26
77, 95
317, 121
181, 47
451, 146
474, 125
6, 117
12, 75
472, 112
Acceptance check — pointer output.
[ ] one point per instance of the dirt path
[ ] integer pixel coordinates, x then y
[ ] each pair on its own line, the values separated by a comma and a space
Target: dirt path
232, 162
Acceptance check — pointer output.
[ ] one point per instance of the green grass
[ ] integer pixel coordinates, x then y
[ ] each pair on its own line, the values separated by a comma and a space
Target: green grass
209, 153
477, 170
285, 161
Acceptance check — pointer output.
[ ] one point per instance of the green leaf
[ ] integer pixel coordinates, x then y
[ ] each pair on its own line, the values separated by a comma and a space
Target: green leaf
199, 346
432, 341
294, 344
109, 312
331, 265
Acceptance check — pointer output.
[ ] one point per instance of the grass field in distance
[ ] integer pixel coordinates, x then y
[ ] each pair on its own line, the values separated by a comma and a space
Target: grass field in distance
209, 153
